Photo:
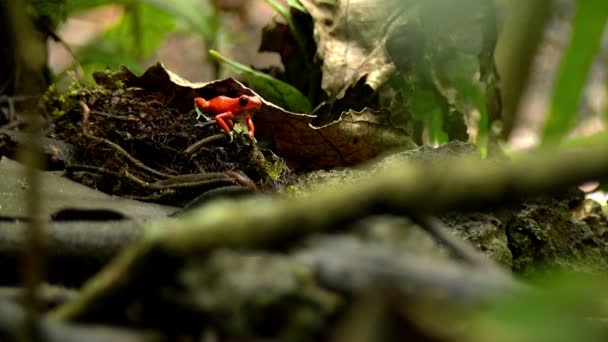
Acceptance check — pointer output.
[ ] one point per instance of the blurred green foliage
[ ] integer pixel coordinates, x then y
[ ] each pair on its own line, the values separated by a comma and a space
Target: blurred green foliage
440, 51
561, 307
588, 27
137, 35
53, 11
143, 27
445, 74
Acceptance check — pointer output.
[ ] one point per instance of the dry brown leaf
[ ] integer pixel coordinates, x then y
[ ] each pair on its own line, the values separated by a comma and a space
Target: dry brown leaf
350, 38
356, 137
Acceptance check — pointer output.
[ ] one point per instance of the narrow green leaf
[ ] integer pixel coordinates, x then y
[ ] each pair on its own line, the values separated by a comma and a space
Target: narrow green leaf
483, 125
461, 73
606, 91
277, 6
588, 26
286, 14
297, 5
434, 125
422, 101
276, 91
424, 106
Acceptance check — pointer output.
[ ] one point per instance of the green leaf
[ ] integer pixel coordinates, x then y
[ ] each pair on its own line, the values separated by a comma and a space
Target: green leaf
424, 105
434, 124
286, 14
562, 310
460, 69
297, 5
422, 102
53, 11
483, 127
588, 26
462, 74
276, 91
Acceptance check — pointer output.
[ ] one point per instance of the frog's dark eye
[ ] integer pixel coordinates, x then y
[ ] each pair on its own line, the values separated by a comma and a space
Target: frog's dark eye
243, 101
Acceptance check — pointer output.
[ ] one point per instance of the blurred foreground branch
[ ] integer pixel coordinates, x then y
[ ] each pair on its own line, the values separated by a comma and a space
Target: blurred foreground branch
404, 189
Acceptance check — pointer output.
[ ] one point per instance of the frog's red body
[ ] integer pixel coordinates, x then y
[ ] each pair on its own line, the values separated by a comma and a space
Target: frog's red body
226, 108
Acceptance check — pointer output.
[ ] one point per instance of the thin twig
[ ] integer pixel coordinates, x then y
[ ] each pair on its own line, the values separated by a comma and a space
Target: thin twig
190, 184
85, 112
70, 51
241, 179
94, 169
438, 230
204, 179
113, 116
197, 145
104, 171
152, 197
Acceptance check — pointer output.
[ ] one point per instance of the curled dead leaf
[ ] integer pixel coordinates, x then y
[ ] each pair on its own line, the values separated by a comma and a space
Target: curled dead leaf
350, 39
356, 136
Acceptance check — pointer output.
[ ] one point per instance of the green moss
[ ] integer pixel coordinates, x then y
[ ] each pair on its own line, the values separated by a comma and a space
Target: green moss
58, 102
119, 84
277, 169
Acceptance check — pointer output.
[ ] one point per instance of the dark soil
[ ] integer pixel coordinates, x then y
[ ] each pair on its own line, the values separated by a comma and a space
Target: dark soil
130, 143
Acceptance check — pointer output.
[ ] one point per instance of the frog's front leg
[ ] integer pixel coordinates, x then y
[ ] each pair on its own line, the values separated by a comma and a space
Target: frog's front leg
250, 126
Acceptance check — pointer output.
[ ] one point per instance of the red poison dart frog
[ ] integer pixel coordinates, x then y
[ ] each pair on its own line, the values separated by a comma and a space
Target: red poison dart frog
227, 108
